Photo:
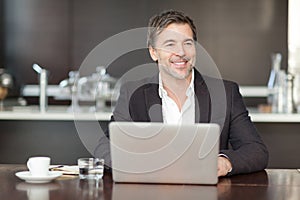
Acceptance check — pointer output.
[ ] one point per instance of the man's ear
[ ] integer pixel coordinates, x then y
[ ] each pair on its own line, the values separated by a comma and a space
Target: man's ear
153, 53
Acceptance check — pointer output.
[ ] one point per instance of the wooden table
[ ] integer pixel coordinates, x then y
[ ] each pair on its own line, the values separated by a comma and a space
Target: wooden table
270, 184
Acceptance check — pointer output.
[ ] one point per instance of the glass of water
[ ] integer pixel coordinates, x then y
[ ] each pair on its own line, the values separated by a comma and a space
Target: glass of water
90, 168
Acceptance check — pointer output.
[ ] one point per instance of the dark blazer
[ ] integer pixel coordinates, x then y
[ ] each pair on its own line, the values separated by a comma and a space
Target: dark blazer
217, 101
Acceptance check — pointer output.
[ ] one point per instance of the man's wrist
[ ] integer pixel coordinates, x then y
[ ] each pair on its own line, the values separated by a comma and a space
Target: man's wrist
229, 165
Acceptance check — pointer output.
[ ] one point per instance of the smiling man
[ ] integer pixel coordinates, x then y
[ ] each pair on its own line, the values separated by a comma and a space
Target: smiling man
180, 94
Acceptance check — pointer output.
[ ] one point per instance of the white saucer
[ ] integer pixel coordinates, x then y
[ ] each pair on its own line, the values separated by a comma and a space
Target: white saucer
26, 176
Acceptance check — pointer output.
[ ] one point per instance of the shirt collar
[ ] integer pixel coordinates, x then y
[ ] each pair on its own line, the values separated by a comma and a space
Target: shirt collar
189, 91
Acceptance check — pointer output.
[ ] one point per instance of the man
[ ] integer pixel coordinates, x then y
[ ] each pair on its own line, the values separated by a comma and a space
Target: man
180, 94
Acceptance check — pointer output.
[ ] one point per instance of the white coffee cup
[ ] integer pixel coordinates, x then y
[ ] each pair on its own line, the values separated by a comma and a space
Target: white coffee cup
38, 166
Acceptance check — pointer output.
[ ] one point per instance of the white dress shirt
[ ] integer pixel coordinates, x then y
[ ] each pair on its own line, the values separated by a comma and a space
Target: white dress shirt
170, 111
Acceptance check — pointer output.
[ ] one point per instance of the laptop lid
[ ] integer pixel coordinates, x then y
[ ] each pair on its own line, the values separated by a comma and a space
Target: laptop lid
164, 153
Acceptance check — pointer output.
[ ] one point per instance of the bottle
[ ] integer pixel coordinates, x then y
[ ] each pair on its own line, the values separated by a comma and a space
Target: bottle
289, 105
276, 63
275, 92
279, 98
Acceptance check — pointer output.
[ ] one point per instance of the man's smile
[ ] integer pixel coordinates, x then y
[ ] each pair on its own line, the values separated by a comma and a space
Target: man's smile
179, 64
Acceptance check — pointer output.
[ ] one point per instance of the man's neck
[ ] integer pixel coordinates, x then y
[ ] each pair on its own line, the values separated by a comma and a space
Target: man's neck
176, 88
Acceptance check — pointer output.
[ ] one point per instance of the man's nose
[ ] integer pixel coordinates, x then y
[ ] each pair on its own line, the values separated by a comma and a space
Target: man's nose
180, 51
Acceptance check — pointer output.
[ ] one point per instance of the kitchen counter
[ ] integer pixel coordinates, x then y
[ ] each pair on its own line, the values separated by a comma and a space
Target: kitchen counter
256, 116
61, 113
275, 117
56, 113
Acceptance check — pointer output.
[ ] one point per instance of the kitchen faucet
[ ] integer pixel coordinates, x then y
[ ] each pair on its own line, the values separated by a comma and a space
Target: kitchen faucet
43, 81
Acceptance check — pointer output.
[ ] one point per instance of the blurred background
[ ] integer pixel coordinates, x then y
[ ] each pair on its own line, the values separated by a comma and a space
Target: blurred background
240, 36
58, 34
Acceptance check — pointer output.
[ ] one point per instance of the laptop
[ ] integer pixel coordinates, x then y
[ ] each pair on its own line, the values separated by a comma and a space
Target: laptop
121, 191
144, 152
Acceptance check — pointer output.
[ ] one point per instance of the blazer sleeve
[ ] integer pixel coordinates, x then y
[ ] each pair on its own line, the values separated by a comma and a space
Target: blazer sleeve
248, 153
120, 113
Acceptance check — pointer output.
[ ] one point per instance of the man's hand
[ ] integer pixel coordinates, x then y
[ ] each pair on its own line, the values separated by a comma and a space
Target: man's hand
224, 166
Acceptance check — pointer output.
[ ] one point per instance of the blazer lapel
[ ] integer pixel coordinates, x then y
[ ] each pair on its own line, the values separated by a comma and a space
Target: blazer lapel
202, 100
153, 103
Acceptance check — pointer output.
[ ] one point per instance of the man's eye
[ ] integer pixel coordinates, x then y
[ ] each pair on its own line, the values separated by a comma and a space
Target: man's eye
170, 44
188, 43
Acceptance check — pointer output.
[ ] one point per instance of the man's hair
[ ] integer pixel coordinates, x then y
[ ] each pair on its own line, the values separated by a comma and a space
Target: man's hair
158, 22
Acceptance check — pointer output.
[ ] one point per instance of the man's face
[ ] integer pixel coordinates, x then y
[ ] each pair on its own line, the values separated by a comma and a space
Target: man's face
175, 51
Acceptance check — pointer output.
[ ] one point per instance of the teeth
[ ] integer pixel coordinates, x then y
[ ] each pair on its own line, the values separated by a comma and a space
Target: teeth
179, 63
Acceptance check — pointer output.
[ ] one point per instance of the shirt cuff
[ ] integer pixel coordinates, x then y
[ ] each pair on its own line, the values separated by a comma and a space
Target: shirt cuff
224, 155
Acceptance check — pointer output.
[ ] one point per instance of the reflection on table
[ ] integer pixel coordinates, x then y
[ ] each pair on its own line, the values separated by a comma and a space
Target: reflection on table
269, 184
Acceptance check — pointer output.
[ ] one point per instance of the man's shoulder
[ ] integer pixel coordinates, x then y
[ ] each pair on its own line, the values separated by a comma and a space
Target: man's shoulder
213, 81
140, 84
199, 77
230, 83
